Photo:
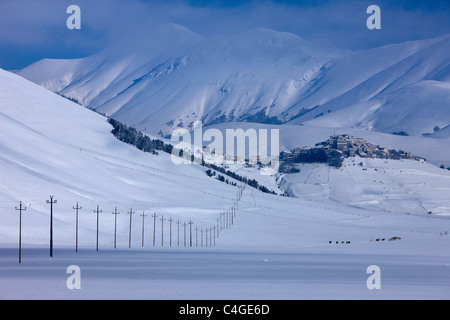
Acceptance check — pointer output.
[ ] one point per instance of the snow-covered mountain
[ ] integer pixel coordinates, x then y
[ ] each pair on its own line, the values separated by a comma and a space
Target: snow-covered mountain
165, 84
396, 88
52, 146
173, 77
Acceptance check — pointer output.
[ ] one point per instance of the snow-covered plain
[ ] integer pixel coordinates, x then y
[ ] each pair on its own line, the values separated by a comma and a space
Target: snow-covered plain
278, 247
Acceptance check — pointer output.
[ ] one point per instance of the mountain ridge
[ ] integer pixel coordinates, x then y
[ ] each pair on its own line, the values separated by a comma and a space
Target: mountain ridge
259, 75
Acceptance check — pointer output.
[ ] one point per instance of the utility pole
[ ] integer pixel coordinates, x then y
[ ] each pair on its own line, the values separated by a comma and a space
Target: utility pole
185, 225
196, 236
97, 211
227, 225
217, 227
206, 237
190, 233
115, 213
210, 237
20, 209
154, 216
51, 202
178, 223
170, 238
162, 230
232, 216
227, 220
214, 236
76, 226
143, 215
131, 212
201, 237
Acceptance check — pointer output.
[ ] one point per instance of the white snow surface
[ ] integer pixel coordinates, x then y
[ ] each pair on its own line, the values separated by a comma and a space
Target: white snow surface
278, 247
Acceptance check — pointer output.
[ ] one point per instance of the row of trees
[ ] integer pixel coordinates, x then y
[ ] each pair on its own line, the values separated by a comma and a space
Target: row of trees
136, 138
250, 182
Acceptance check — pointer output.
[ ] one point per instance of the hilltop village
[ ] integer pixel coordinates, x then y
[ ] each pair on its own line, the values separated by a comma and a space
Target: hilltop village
338, 147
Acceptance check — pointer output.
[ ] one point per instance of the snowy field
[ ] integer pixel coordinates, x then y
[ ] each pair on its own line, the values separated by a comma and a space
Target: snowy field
277, 247
222, 275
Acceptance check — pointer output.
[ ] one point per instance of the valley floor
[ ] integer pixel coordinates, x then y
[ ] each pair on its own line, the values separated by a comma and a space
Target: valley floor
268, 254
221, 275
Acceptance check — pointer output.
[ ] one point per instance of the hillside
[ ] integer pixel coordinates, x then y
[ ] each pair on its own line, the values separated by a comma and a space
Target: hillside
51, 146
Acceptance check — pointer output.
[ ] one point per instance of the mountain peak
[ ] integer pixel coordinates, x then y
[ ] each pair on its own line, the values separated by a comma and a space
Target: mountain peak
174, 77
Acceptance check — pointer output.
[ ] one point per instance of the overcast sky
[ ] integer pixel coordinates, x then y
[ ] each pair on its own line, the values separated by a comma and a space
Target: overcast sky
34, 29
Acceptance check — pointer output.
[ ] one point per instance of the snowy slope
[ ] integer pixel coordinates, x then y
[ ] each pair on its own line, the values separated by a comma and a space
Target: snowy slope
51, 146
408, 187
